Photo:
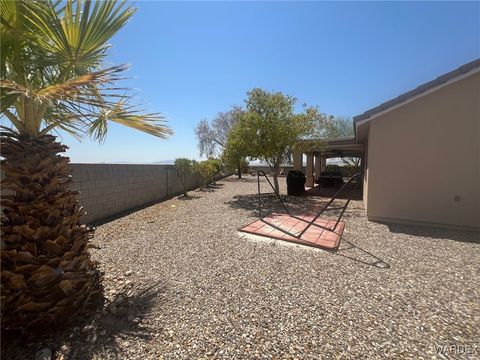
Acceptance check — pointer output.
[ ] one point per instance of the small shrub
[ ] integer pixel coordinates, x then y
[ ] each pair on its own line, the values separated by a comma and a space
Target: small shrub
217, 165
207, 170
184, 168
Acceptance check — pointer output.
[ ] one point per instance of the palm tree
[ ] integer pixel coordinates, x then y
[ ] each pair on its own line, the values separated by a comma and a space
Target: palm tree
52, 79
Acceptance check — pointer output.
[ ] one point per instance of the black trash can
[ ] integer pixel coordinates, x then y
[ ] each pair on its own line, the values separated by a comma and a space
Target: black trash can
295, 183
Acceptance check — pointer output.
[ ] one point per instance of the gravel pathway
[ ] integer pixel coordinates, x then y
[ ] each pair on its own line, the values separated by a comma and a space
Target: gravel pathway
187, 285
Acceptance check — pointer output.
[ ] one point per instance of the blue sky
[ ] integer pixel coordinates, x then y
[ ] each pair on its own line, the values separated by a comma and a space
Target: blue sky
193, 60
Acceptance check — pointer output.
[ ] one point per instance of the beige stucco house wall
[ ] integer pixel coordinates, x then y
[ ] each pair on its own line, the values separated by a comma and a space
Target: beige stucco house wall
423, 158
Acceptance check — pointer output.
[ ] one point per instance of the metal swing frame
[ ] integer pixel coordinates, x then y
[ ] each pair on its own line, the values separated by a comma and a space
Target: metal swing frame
352, 180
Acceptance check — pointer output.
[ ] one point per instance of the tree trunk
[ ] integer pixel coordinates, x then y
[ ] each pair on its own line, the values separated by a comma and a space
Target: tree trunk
275, 183
47, 275
275, 169
184, 184
275, 178
239, 171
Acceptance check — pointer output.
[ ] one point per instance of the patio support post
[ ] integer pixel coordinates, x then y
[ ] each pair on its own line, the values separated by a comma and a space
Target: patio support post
297, 160
309, 181
317, 165
323, 163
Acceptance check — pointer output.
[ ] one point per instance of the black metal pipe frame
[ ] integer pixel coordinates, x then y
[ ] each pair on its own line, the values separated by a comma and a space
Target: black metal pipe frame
352, 180
261, 172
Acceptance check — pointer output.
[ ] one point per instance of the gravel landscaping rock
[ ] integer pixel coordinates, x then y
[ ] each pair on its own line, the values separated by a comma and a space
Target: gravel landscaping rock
199, 289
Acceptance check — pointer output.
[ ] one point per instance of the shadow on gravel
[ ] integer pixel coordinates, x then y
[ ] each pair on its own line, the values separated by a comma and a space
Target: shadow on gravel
468, 236
353, 252
328, 193
211, 188
112, 330
96, 334
296, 205
245, 178
249, 202
188, 197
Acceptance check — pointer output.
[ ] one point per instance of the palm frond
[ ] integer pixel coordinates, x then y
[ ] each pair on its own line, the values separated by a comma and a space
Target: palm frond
127, 115
77, 38
62, 117
51, 57
9, 87
81, 89
81, 84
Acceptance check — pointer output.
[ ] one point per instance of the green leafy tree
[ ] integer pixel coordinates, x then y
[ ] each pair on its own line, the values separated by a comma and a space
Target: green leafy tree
53, 78
234, 158
269, 128
217, 165
184, 168
207, 170
341, 126
320, 129
213, 137
326, 127
352, 161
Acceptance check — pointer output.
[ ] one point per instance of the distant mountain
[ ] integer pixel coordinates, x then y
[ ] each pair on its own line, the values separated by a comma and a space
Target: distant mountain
331, 161
161, 162
165, 162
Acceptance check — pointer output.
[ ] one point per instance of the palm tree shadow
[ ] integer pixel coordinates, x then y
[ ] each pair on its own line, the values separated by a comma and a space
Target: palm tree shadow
98, 334
113, 329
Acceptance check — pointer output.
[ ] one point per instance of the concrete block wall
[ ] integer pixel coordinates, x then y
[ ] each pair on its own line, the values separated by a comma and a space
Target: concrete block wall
110, 189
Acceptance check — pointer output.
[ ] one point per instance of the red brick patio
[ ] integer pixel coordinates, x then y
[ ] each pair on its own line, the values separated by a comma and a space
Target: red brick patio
314, 236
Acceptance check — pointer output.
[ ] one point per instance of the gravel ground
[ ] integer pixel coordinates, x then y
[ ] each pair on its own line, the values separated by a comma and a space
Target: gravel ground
185, 284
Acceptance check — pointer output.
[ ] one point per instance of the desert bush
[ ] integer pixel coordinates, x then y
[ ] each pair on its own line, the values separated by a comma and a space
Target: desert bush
184, 168
207, 170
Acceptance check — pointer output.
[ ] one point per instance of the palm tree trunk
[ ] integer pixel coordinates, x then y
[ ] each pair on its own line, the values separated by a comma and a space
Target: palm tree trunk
47, 275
